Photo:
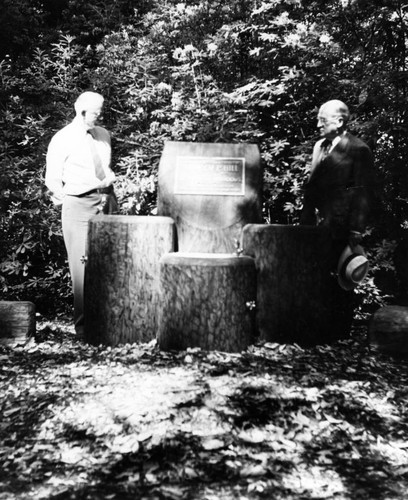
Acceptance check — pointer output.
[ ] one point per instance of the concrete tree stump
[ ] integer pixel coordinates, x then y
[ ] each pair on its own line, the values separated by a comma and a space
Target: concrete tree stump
17, 321
207, 301
298, 299
122, 277
388, 330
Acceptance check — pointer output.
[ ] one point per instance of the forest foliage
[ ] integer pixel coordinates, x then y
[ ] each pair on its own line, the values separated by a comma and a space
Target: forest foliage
209, 71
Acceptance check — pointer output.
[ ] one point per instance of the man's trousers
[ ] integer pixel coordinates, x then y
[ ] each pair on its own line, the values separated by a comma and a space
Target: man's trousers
76, 212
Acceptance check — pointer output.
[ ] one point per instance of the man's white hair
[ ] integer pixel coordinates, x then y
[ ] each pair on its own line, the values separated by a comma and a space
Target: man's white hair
88, 100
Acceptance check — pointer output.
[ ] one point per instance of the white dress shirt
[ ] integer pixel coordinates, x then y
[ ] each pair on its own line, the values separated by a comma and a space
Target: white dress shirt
70, 166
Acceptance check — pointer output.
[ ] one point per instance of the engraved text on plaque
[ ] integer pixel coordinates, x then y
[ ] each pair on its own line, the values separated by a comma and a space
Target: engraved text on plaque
210, 176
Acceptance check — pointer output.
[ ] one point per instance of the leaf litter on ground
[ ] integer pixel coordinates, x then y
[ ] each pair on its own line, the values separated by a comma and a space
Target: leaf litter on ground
275, 421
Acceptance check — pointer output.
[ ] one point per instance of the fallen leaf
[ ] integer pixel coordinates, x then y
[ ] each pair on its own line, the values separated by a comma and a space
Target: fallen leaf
253, 436
253, 470
213, 444
124, 444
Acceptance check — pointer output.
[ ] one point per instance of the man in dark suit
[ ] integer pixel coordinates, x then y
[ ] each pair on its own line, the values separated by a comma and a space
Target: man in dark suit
337, 194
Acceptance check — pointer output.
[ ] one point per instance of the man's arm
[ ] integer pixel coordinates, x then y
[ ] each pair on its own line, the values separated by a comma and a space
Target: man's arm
105, 139
56, 156
308, 216
361, 199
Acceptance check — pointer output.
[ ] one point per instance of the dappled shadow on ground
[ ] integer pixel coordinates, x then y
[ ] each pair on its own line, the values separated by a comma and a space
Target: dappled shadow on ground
362, 469
259, 406
276, 422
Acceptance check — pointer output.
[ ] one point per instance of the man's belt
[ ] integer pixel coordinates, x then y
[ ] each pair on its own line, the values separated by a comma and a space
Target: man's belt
107, 190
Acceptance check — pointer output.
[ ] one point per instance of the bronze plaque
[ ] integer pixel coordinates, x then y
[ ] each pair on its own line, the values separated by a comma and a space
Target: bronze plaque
210, 175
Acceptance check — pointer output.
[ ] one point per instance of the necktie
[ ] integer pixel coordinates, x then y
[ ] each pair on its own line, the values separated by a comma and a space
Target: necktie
325, 148
99, 172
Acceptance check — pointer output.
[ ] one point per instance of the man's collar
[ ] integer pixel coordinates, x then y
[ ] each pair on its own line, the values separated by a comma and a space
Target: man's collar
335, 140
79, 124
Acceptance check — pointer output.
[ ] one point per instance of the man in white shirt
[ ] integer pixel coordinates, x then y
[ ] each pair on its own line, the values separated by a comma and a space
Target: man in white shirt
79, 178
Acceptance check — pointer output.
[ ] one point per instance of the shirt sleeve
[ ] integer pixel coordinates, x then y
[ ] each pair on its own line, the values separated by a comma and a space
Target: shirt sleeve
55, 159
104, 139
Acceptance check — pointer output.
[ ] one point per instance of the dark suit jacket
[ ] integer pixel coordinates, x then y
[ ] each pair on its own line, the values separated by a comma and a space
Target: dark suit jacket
340, 187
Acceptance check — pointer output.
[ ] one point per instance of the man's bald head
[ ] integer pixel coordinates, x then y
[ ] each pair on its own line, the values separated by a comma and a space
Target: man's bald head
336, 107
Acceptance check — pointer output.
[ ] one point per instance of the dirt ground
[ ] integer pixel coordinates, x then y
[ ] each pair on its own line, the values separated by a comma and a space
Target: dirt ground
132, 422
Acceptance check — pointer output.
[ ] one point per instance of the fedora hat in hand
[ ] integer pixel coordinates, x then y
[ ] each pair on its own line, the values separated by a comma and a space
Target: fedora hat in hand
352, 267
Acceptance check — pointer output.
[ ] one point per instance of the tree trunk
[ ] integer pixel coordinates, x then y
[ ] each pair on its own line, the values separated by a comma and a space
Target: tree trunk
207, 301
298, 298
388, 330
17, 322
122, 277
